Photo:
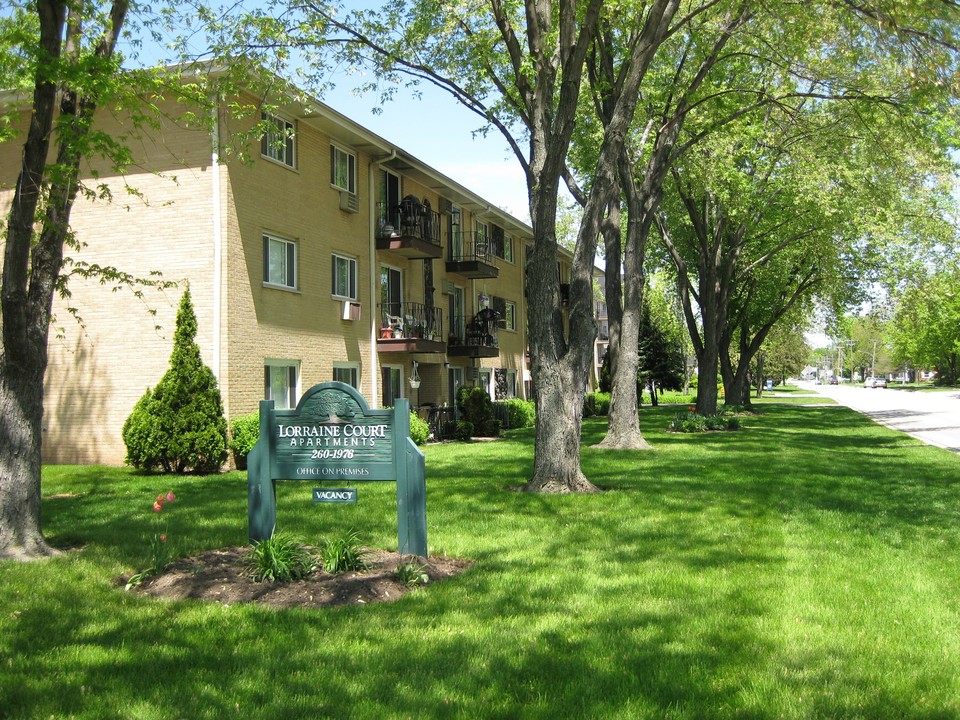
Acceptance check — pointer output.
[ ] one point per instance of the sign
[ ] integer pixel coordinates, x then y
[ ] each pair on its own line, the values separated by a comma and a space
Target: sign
335, 495
333, 435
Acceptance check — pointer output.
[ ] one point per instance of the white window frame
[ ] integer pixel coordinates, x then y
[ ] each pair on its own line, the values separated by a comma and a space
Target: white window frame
352, 368
290, 251
336, 275
271, 147
510, 316
338, 155
289, 369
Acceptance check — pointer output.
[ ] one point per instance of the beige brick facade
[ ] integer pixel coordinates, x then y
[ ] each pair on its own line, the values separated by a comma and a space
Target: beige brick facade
201, 222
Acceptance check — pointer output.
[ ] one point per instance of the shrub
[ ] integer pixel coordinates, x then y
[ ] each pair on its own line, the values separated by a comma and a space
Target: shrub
419, 429
490, 428
520, 413
690, 422
343, 554
244, 433
596, 403
475, 406
463, 430
279, 558
179, 426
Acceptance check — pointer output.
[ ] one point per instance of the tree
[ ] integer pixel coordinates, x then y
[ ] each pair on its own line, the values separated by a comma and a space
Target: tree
925, 329
68, 67
65, 61
785, 352
179, 426
660, 358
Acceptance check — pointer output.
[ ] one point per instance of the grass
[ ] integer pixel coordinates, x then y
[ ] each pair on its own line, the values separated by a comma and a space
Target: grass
805, 567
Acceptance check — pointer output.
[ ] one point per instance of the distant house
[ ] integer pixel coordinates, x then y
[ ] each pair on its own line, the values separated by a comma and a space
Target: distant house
332, 255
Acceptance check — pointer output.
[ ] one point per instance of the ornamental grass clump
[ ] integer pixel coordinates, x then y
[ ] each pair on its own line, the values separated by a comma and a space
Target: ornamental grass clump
344, 554
280, 558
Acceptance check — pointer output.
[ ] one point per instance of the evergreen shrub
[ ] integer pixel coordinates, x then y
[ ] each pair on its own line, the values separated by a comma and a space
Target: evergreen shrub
179, 426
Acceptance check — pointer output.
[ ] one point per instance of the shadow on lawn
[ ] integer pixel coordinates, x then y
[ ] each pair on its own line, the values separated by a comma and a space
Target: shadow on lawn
571, 610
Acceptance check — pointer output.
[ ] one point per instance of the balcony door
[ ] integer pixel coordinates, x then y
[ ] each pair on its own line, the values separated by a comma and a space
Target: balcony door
391, 292
457, 310
392, 383
388, 195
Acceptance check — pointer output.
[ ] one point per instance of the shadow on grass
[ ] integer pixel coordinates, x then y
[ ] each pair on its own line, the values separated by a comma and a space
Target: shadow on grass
662, 596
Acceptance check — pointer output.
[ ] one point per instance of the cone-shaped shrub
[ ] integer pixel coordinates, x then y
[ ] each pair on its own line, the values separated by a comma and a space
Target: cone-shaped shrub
179, 426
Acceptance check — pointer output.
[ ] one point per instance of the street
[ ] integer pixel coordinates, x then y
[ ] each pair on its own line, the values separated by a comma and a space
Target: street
933, 417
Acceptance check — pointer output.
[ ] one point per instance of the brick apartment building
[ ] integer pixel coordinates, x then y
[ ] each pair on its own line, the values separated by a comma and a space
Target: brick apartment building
331, 254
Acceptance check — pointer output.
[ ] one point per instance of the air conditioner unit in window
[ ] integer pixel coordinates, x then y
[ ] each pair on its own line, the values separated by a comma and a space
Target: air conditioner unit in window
351, 310
349, 202
447, 287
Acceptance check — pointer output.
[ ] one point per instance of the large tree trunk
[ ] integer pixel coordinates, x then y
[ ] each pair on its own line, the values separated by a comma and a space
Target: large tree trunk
21, 410
623, 431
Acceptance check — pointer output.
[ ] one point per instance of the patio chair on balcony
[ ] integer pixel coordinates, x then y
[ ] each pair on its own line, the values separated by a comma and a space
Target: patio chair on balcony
411, 214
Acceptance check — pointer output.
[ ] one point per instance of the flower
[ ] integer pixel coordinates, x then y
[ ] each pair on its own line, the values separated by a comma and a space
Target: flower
157, 506
692, 408
171, 497
163, 537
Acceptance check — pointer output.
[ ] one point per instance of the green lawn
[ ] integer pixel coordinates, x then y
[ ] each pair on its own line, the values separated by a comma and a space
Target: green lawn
805, 567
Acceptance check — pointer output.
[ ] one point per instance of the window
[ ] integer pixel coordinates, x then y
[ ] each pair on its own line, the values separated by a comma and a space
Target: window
455, 382
502, 244
343, 169
346, 373
507, 249
279, 142
279, 261
510, 316
506, 310
344, 277
280, 379
506, 383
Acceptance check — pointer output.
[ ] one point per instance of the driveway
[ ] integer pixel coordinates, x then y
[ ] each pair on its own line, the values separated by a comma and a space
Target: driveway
933, 417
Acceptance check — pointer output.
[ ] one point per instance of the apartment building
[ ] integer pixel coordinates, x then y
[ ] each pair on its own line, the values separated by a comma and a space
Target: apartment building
329, 254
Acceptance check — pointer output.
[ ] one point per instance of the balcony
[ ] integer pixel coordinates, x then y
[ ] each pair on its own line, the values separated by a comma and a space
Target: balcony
471, 256
479, 337
410, 229
411, 327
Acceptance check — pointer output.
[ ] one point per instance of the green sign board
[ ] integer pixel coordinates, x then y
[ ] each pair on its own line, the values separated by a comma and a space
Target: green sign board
333, 435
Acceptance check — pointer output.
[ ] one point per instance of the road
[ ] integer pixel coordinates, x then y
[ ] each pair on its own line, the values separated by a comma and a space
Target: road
933, 417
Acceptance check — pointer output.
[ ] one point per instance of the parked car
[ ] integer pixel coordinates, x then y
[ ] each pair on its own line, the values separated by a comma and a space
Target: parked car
834, 380
875, 382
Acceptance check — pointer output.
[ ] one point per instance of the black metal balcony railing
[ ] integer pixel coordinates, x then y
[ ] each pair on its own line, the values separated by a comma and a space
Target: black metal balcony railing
410, 220
411, 321
480, 335
471, 255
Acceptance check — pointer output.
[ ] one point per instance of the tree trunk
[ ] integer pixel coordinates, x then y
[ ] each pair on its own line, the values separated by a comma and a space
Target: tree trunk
21, 410
556, 463
623, 430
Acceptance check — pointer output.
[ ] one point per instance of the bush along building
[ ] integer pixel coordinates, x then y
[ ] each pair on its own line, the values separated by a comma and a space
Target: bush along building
329, 254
